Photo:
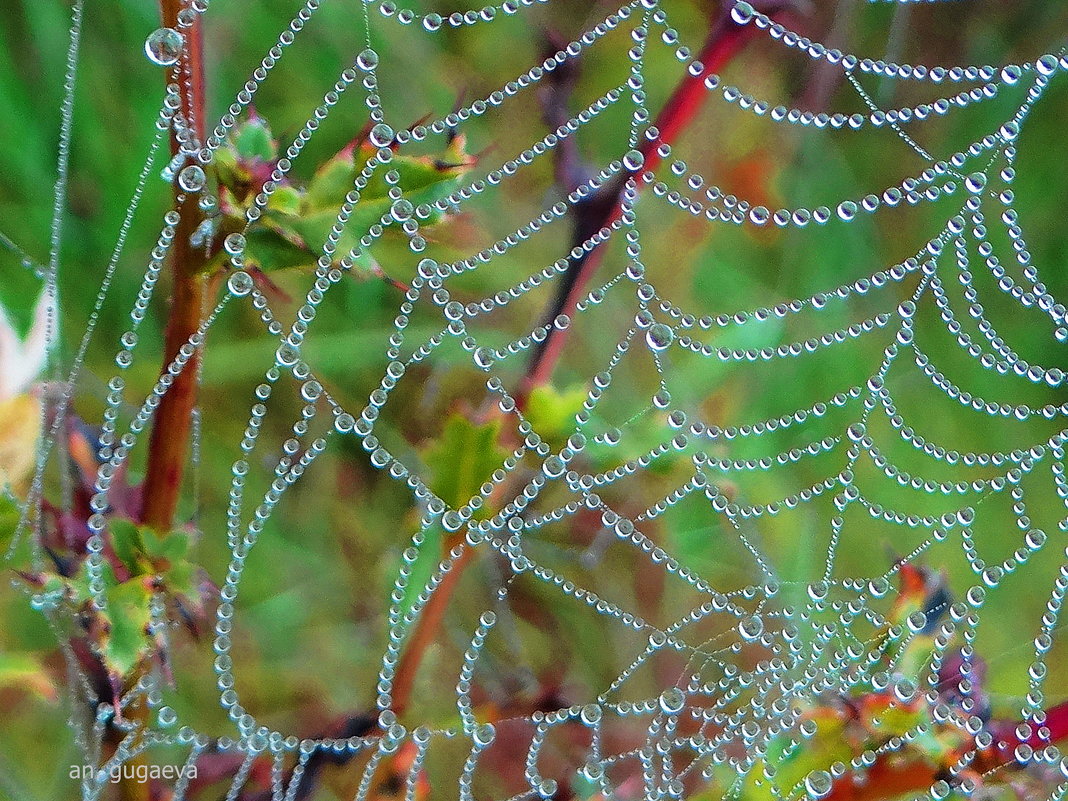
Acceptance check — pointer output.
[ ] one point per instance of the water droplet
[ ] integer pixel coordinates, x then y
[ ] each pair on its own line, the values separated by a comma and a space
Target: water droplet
553, 466
847, 210
659, 336
818, 784
751, 627
590, 714
672, 700
164, 46
367, 60
1010, 74
975, 183
234, 244
192, 178
287, 354
547, 788
381, 135
633, 160
344, 422
240, 283
483, 735
167, 716
742, 13
401, 210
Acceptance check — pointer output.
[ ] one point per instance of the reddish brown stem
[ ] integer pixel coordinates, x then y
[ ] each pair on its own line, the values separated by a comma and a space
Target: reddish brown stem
426, 629
169, 442
724, 40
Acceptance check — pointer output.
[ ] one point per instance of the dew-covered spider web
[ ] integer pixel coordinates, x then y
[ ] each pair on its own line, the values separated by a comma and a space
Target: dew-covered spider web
766, 459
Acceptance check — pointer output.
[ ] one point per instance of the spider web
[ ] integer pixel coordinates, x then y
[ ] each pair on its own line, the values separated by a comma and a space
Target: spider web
744, 660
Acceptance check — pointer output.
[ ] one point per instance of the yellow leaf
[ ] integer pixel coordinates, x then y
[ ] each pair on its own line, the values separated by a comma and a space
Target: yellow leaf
20, 424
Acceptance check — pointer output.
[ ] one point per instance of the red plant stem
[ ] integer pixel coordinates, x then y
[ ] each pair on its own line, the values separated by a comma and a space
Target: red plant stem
724, 40
168, 447
426, 629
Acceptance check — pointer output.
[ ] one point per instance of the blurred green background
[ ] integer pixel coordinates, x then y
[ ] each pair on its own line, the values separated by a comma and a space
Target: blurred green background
312, 610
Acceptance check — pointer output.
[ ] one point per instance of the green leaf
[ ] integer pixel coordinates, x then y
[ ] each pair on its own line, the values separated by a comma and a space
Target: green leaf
270, 250
170, 548
331, 182
128, 615
9, 517
181, 579
460, 462
252, 139
227, 169
552, 412
286, 199
126, 540
295, 226
464, 458
27, 673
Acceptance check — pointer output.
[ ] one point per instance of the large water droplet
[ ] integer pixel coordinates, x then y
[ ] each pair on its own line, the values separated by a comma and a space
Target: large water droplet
483, 735
234, 244
590, 714
818, 784
381, 135
553, 466
659, 336
240, 283
975, 183
634, 160
742, 13
192, 178
164, 46
751, 627
672, 700
367, 60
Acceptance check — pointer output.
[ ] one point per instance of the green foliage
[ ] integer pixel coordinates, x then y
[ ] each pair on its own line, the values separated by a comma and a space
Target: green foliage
297, 222
463, 458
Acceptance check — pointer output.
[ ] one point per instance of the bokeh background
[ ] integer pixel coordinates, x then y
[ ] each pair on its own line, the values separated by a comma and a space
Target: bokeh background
312, 613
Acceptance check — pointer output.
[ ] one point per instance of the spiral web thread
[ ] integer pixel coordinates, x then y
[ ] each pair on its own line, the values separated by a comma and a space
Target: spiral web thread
825, 645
